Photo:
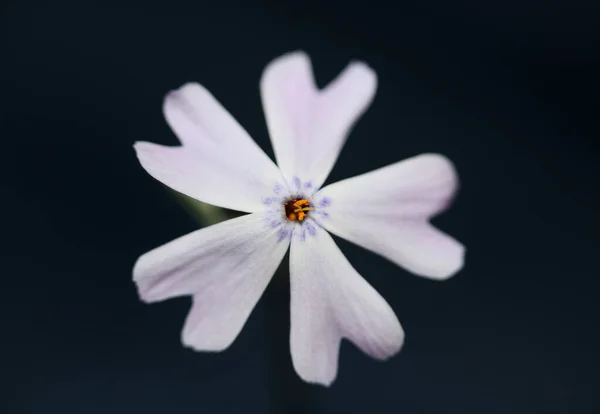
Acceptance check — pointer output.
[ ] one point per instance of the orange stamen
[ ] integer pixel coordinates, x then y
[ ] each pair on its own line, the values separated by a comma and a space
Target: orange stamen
300, 203
296, 209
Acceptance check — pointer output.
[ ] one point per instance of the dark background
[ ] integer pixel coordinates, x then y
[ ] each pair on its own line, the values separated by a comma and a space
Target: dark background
507, 89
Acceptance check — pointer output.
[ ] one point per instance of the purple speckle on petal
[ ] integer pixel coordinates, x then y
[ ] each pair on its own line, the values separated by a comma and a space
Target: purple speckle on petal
308, 184
277, 189
282, 235
325, 202
296, 182
269, 200
302, 234
275, 223
311, 229
322, 213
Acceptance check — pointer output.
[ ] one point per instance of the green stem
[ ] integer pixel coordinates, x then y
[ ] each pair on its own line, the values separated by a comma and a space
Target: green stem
204, 214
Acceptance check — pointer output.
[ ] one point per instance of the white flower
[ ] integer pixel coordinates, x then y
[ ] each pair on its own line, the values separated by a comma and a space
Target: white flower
227, 266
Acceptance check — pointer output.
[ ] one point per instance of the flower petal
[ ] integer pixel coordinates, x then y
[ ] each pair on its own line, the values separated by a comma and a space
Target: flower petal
331, 301
387, 211
205, 173
196, 116
308, 127
226, 267
218, 163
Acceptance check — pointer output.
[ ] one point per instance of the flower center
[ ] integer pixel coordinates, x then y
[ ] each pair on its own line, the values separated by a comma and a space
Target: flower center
297, 209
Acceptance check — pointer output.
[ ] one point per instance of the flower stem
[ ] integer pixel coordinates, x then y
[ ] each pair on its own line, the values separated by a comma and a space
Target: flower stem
204, 214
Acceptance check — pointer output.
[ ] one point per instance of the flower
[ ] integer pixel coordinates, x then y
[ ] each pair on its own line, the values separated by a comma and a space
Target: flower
227, 266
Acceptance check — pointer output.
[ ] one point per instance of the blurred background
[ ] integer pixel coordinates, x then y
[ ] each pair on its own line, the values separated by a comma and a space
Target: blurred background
506, 89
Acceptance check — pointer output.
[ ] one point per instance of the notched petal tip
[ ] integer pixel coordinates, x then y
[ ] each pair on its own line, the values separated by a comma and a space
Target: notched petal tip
325, 382
179, 93
149, 154
143, 148
297, 61
394, 341
326, 378
438, 168
364, 72
188, 341
139, 268
444, 265
145, 296
297, 57
186, 110
440, 161
441, 164
140, 145
453, 266
323, 378
143, 283
193, 337
177, 99
356, 85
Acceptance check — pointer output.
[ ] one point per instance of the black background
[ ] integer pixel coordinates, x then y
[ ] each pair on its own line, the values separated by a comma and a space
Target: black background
508, 90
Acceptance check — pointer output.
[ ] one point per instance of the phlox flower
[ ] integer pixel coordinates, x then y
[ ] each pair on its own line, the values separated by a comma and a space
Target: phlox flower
227, 266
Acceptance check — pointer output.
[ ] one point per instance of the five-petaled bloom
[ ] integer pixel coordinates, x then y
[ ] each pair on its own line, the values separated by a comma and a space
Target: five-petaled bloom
227, 266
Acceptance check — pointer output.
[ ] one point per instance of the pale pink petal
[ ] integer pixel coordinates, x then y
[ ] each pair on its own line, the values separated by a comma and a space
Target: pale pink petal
196, 117
308, 127
331, 301
219, 163
206, 173
226, 267
387, 211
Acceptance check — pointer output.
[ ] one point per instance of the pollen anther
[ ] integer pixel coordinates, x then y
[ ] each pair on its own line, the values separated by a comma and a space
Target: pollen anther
300, 203
296, 209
